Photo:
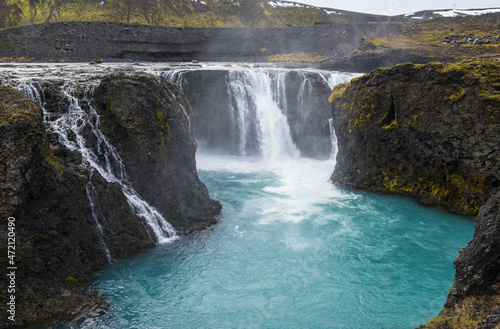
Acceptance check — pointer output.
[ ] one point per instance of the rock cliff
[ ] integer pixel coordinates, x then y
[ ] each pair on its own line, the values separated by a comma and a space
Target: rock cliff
152, 129
474, 298
53, 195
427, 131
85, 41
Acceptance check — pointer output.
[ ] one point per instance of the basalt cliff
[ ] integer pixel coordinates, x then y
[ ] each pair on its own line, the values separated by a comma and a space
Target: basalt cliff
70, 217
432, 132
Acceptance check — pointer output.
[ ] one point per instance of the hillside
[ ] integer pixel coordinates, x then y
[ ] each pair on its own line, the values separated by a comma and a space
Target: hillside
186, 13
171, 32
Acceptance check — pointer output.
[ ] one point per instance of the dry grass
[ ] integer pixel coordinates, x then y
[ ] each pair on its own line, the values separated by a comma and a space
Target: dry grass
297, 57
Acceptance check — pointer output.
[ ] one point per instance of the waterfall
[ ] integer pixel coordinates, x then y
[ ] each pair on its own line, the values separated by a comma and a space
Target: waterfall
334, 142
270, 113
255, 103
97, 216
71, 128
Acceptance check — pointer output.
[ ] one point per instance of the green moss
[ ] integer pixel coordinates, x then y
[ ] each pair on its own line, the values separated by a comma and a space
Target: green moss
51, 158
439, 322
165, 13
72, 280
429, 184
164, 135
338, 92
5, 43
467, 314
16, 109
297, 57
457, 96
16, 59
486, 74
392, 125
413, 120
159, 114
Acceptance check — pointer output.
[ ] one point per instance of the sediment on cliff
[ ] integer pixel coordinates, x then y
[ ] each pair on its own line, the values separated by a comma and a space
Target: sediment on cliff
427, 131
74, 216
332, 44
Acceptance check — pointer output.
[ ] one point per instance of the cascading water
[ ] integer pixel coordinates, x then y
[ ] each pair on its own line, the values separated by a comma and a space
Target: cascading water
262, 112
102, 157
292, 250
255, 104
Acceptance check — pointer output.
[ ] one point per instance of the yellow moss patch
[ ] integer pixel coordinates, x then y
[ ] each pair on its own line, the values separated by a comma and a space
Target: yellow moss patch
17, 59
71, 279
392, 125
297, 57
164, 135
466, 315
338, 92
51, 158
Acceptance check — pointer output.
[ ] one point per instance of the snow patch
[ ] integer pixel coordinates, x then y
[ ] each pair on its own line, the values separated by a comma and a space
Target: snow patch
454, 13
284, 4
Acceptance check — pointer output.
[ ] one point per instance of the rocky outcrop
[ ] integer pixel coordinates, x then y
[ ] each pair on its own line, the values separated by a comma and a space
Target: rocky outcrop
152, 129
470, 38
478, 265
474, 298
46, 191
426, 131
56, 247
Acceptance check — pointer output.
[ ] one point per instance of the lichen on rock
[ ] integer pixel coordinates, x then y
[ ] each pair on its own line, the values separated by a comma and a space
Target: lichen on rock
426, 131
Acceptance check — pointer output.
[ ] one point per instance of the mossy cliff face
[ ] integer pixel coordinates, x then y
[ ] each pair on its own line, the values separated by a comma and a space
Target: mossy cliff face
53, 229
152, 129
44, 186
427, 131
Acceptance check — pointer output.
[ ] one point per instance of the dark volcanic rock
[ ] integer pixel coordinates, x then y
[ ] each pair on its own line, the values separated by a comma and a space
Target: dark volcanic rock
428, 131
474, 298
47, 188
152, 129
87, 41
478, 265
56, 246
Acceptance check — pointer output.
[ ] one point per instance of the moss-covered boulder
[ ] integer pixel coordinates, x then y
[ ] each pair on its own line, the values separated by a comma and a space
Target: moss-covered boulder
427, 131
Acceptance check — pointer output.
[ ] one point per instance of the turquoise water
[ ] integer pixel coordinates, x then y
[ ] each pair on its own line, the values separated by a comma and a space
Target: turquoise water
291, 251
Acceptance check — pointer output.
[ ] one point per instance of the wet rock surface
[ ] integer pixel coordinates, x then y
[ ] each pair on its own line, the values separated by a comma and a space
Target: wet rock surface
304, 100
152, 129
478, 265
45, 187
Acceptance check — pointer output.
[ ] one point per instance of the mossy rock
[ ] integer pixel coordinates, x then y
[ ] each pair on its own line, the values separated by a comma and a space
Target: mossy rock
433, 129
